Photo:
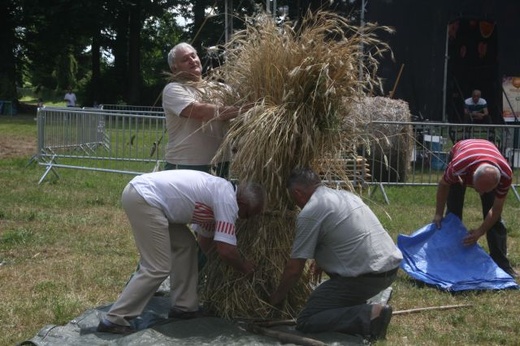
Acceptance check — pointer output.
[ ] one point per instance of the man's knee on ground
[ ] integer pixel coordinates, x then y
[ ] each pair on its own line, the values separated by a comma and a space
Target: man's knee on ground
303, 325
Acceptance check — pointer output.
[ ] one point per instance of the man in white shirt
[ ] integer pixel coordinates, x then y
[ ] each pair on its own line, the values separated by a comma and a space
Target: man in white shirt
70, 98
347, 241
155, 204
476, 109
196, 121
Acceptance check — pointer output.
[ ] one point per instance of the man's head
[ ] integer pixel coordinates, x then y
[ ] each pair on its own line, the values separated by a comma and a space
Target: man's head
251, 199
486, 178
475, 95
185, 63
301, 185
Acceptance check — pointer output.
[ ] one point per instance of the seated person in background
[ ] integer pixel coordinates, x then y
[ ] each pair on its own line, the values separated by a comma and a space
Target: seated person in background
475, 109
476, 112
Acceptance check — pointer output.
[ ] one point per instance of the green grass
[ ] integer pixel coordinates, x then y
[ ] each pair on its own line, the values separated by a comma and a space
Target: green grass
49, 97
66, 247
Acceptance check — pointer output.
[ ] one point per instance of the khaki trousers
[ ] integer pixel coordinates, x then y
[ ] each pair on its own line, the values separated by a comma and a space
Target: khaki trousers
165, 249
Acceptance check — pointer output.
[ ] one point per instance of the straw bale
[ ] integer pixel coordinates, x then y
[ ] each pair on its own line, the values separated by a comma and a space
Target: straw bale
390, 144
303, 83
232, 295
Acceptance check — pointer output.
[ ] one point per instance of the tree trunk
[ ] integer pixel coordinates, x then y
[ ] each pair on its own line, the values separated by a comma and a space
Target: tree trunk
134, 56
7, 47
96, 69
121, 56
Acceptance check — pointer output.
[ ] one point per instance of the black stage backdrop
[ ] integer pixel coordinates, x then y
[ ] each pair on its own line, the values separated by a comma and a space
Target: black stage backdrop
483, 46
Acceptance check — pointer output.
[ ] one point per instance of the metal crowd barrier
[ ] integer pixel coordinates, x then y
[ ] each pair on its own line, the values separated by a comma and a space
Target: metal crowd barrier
99, 140
416, 153
133, 141
124, 108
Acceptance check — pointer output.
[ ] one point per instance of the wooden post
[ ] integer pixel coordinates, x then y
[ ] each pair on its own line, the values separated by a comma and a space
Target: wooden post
442, 307
396, 82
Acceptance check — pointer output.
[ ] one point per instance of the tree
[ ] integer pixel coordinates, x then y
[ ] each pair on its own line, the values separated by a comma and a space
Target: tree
9, 18
110, 50
54, 42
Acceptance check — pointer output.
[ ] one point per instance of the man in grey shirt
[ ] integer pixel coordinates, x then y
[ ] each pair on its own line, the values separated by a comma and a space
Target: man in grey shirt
347, 241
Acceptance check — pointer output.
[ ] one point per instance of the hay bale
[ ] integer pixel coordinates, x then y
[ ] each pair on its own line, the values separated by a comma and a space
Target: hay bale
232, 295
390, 145
301, 81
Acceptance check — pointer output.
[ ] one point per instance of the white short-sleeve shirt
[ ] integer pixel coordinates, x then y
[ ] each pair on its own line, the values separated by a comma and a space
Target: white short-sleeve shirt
191, 141
193, 197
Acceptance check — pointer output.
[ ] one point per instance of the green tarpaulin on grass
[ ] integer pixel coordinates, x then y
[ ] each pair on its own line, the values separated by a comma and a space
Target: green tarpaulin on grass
155, 329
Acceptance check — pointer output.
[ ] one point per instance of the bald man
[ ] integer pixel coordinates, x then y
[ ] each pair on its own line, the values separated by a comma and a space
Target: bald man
476, 109
478, 163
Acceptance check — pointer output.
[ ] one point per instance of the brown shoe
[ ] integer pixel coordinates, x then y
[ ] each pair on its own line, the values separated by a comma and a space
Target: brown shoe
105, 326
379, 325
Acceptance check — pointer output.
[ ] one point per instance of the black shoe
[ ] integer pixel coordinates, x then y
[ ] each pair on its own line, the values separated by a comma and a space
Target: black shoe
511, 272
379, 325
187, 315
105, 326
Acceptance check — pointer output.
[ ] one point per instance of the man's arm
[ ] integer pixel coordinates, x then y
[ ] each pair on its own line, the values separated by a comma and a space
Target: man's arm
205, 243
208, 111
443, 188
291, 274
467, 113
481, 114
491, 218
466, 109
229, 254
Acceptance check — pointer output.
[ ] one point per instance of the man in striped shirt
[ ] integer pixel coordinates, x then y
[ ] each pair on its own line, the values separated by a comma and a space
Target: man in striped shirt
156, 204
478, 163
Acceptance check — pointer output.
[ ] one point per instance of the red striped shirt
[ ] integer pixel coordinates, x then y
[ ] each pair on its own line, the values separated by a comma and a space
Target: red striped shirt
467, 155
203, 216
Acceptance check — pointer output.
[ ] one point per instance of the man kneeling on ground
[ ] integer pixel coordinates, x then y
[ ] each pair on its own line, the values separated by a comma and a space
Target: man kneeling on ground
347, 241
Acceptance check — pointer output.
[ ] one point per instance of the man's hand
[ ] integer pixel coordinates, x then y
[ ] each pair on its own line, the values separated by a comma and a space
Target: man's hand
477, 116
472, 237
437, 220
291, 274
316, 272
248, 268
276, 299
229, 254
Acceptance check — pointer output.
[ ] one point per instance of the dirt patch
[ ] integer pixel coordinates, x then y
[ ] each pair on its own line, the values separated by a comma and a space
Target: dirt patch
17, 146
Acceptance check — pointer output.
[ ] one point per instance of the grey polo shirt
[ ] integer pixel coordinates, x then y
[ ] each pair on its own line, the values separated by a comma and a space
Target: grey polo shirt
343, 235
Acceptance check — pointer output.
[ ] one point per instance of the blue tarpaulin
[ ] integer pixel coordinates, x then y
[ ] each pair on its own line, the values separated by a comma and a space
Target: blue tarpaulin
437, 257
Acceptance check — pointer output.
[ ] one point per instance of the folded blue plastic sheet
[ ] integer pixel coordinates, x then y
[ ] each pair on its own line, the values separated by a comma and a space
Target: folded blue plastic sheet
437, 257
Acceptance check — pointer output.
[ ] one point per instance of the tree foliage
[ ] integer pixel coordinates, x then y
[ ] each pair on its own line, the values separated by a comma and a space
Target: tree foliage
112, 51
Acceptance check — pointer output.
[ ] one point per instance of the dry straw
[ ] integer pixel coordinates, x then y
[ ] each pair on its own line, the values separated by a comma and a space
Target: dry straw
303, 81
390, 137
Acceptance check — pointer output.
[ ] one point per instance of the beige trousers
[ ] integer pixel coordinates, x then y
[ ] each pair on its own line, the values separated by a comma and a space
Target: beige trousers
165, 249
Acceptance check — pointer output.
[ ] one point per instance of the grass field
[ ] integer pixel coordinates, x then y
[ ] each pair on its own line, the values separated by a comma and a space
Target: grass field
66, 246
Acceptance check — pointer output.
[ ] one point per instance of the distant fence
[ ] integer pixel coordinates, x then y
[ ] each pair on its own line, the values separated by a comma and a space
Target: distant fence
416, 153
100, 140
124, 108
133, 141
